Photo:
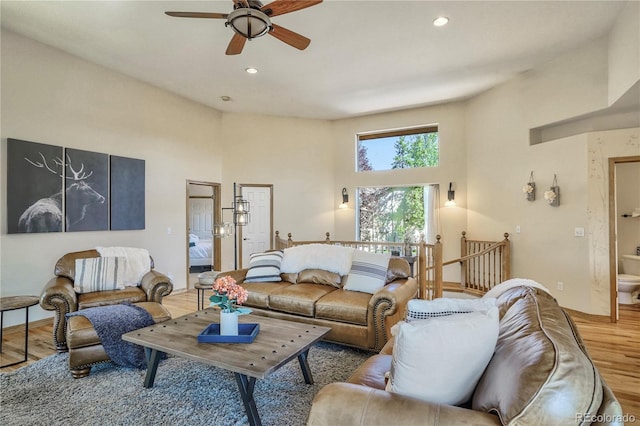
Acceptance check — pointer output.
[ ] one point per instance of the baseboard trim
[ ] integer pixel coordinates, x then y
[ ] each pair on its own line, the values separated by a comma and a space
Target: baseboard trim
19, 328
586, 316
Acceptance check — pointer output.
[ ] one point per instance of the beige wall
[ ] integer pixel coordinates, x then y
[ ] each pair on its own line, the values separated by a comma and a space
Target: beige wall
565, 87
624, 51
500, 160
452, 168
54, 98
296, 157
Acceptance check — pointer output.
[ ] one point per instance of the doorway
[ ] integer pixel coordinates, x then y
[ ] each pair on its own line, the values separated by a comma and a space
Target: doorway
257, 235
615, 248
203, 210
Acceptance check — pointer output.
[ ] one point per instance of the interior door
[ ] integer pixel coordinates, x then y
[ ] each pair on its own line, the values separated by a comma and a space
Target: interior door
202, 217
256, 235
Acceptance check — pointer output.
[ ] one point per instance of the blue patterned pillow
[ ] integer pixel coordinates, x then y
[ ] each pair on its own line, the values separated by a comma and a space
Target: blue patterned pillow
264, 267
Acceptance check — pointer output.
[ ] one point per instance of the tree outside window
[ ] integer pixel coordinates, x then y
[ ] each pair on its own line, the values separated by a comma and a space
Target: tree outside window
395, 214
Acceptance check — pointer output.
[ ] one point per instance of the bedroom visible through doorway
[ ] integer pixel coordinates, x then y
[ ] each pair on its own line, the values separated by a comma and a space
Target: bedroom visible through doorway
203, 250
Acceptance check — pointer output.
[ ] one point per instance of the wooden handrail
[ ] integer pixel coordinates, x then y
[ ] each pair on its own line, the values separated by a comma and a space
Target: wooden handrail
471, 256
480, 270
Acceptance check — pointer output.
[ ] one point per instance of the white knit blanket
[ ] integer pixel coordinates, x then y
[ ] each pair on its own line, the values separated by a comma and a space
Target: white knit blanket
317, 256
137, 264
498, 290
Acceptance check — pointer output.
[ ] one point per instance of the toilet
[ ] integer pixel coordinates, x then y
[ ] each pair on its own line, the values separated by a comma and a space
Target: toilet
629, 280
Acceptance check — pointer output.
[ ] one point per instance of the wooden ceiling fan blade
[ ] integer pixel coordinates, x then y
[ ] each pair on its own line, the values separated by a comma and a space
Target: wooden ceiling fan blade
291, 38
198, 15
236, 45
280, 7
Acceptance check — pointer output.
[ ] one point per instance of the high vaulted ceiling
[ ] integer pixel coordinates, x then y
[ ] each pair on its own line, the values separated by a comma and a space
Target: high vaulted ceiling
365, 56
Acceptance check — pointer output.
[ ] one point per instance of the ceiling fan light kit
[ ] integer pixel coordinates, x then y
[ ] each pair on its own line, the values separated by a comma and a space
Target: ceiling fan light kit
249, 23
251, 19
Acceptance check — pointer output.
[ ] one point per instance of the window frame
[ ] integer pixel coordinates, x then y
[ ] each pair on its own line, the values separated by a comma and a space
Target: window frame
405, 131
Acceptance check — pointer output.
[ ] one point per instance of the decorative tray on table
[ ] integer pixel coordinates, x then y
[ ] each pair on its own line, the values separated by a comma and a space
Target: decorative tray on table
246, 334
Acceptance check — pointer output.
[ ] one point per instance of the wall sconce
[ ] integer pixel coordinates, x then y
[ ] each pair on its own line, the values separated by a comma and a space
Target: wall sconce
553, 194
451, 196
345, 199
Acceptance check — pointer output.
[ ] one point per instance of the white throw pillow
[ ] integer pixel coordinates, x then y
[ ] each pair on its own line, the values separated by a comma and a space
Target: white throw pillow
99, 274
441, 359
327, 257
264, 267
423, 309
368, 271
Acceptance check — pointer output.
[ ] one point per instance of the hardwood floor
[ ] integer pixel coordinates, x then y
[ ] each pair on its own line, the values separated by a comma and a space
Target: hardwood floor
615, 348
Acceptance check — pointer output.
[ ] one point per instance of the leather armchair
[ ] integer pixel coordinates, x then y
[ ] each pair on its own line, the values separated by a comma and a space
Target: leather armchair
58, 295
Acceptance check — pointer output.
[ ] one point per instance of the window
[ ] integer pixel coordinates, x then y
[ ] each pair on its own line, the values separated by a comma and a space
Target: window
398, 149
397, 214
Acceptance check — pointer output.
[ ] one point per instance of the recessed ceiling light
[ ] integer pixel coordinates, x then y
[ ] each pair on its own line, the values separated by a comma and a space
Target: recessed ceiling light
440, 21
225, 98
251, 70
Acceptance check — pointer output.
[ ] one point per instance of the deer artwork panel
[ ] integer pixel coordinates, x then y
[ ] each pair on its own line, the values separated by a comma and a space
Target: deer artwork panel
86, 190
34, 193
36, 176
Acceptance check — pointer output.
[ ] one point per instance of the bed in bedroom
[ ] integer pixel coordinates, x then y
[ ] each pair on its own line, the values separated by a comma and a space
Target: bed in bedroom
200, 253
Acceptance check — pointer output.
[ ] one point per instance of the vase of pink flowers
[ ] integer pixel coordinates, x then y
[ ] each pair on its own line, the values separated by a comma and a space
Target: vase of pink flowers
228, 295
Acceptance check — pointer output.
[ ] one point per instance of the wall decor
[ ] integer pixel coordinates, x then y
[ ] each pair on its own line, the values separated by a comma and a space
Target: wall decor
86, 190
35, 173
552, 195
127, 193
529, 189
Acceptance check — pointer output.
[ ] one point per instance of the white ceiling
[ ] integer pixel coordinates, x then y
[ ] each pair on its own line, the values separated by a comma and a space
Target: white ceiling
364, 57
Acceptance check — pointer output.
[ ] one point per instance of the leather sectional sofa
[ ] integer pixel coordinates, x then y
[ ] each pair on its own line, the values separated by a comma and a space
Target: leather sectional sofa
540, 373
316, 296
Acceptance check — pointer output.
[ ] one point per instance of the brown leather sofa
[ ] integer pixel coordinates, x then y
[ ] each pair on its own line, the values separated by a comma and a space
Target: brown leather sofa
540, 373
77, 335
315, 296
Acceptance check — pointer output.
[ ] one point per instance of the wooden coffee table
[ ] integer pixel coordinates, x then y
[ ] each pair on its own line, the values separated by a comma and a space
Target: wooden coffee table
277, 343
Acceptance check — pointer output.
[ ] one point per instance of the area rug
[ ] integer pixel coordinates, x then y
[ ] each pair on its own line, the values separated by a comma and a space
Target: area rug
185, 392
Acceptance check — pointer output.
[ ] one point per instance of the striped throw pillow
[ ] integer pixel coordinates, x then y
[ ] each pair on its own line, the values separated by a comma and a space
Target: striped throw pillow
99, 274
368, 271
264, 267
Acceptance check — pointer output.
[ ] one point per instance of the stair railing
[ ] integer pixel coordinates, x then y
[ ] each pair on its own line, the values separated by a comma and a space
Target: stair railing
483, 264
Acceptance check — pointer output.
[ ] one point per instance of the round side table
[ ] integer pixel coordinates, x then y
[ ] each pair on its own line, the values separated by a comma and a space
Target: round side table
201, 289
12, 303
205, 282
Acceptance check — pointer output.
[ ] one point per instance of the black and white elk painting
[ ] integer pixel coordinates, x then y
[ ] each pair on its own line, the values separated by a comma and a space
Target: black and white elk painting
34, 187
36, 176
86, 190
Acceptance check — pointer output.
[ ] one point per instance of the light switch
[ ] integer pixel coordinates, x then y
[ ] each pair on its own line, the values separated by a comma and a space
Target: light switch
579, 232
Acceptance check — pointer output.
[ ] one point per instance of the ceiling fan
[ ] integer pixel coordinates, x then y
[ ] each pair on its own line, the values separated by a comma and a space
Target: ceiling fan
250, 19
